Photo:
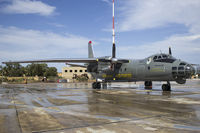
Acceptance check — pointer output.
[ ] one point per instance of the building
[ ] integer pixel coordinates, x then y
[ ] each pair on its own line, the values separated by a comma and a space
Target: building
59, 74
70, 72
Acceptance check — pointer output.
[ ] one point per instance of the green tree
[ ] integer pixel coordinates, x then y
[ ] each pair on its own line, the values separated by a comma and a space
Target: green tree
16, 70
13, 70
1, 71
51, 71
36, 69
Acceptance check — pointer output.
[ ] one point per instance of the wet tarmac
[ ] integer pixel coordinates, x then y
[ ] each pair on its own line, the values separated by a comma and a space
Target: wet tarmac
121, 108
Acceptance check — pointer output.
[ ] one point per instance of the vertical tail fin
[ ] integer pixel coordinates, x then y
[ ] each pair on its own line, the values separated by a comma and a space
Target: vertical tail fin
90, 50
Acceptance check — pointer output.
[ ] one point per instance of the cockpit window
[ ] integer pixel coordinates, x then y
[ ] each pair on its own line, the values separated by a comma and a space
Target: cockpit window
182, 63
155, 57
163, 58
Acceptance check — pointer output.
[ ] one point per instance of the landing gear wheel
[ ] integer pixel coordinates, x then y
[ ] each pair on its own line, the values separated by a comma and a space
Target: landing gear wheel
148, 84
96, 85
166, 87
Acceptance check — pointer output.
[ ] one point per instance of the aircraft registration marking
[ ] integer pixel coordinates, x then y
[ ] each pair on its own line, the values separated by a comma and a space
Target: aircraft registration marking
129, 75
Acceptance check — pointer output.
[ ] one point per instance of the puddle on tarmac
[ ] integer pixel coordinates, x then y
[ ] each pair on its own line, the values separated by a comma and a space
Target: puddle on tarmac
44, 107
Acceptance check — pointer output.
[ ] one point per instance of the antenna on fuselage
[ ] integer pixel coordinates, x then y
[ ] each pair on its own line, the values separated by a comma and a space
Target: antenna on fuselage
170, 51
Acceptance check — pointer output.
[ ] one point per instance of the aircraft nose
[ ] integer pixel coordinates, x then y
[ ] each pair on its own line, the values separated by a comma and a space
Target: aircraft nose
189, 70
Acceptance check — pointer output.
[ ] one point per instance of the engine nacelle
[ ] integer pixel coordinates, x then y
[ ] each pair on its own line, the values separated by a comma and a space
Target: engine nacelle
114, 60
106, 69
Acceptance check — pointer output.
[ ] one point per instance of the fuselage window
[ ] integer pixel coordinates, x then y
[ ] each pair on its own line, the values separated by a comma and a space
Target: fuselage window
66, 71
70, 71
182, 63
164, 56
155, 57
81, 71
75, 71
174, 68
85, 70
180, 68
159, 57
124, 69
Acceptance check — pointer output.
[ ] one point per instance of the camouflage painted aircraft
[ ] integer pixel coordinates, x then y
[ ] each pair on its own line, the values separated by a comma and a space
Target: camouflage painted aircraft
159, 67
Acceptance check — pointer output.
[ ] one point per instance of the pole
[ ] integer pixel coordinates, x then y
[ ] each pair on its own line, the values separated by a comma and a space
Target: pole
114, 47
113, 22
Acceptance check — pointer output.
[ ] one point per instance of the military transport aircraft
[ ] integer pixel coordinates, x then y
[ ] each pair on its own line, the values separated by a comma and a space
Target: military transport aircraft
158, 67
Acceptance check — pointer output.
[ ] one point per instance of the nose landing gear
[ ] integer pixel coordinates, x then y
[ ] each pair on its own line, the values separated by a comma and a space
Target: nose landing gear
148, 84
166, 87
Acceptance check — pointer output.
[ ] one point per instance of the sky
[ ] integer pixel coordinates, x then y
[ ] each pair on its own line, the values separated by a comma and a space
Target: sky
46, 29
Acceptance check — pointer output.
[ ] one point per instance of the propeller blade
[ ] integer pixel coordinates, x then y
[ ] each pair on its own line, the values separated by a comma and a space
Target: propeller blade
113, 51
170, 51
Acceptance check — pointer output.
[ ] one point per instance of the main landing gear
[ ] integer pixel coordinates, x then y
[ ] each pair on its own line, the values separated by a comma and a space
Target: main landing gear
166, 87
96, 85
99, 85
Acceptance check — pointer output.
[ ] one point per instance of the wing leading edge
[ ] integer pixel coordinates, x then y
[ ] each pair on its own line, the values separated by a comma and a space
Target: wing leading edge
75, 60
71, 60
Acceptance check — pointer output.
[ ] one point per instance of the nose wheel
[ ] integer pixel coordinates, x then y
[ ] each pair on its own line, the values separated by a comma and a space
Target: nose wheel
148, 84
166, 87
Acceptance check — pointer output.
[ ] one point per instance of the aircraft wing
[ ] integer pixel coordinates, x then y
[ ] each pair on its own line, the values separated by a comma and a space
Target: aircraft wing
117, 60
71, 60
75, 60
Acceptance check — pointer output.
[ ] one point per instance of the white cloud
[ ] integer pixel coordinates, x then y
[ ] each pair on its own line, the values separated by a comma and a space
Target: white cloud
108, 40
145, 14
57, 25
183, 46
107, 1
149, 14
28, 7
17, 43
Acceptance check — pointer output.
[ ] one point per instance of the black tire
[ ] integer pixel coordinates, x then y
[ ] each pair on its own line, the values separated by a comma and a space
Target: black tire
94, 85
98, 85
148, 83
166, 87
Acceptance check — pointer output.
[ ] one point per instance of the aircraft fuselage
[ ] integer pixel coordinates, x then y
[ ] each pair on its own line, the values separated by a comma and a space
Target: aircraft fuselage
148, 69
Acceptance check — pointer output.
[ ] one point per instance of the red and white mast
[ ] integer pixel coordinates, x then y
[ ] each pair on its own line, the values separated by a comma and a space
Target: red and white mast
113, 22
114, 48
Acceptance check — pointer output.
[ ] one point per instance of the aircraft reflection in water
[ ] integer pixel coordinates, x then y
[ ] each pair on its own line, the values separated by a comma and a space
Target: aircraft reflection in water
159, 67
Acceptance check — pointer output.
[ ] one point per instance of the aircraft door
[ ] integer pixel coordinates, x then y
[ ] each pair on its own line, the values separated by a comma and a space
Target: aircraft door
140, 72
154, 69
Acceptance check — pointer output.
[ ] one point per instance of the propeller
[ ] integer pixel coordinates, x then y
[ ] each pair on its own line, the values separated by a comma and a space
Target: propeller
113, 51
170, 51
